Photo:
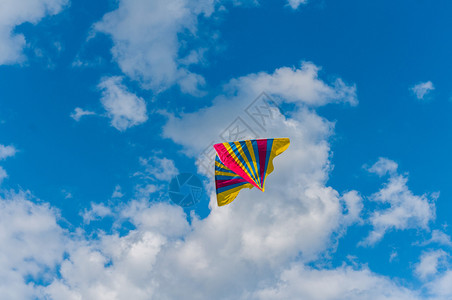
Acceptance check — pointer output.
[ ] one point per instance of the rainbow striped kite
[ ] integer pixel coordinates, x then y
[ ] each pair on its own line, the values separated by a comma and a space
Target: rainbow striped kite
244, 164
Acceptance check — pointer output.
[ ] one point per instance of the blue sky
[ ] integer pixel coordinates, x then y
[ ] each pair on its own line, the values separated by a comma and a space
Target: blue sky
102, 104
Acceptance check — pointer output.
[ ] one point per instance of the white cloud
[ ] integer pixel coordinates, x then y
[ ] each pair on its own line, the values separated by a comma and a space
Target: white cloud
342, 283
78, 113
151, 261
422, 89
7, 151
384, 166
124, 108
440, 288
32, 245
96, 212
143, 192
354, 206
405, 211
160, 168
296, 3
117, 192
124, 267
3, 174
13, 13
429, 263
295, 85
297, 214
299, 86
440, 238
147, 40
393, 256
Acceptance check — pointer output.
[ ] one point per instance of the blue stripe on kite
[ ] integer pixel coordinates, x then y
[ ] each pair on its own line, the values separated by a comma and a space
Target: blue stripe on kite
269, 151
226, 188
248, 156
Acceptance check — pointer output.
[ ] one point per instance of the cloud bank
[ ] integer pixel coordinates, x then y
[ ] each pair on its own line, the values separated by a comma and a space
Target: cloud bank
271, 245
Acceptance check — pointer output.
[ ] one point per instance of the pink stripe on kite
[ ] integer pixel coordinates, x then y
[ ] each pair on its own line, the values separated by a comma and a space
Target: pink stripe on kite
223, 183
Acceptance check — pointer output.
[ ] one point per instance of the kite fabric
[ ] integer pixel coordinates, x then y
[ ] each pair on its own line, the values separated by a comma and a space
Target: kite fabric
244, 164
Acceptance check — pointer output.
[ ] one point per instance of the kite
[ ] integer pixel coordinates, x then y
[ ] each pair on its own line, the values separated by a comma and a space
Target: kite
244, 164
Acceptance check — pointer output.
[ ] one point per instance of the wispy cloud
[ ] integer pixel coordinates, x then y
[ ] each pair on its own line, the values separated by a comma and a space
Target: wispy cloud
7, 151
160, 168
296, 3
96, 212
405, 211
3, 174
78, 113
117, 192
422, 89
429, 263
440, 238
13, 13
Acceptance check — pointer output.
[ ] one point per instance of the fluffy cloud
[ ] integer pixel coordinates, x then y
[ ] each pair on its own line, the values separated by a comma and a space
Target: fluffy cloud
165, 258
440, 288
383, 166
342, 283
115, 267
32, 245
422, 89
13, 13
146, 40
150, 40
405, 211
124, 108
78, 113
270, 232
298, 86
354, 206
295, 85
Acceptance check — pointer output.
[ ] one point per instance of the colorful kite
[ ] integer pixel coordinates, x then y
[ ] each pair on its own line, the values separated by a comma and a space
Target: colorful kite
244, 164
